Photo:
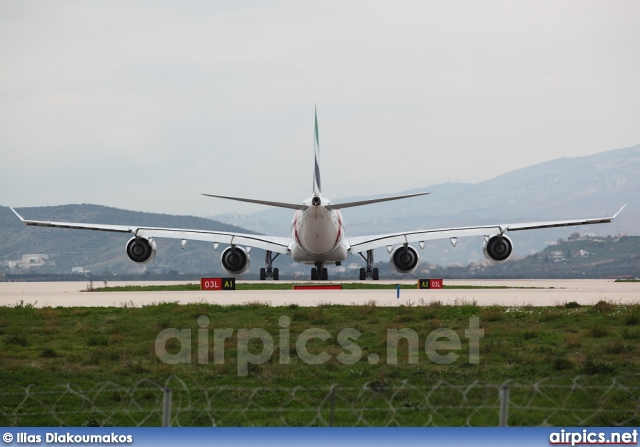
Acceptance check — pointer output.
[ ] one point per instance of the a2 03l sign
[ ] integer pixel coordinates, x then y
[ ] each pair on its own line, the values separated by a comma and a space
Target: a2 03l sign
430, 283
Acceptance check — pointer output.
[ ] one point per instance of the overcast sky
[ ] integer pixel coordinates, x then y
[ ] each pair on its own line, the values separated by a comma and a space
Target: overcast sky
144, 105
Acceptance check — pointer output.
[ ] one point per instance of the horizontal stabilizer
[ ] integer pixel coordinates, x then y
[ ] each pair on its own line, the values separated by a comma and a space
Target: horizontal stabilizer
337, 206
293, 206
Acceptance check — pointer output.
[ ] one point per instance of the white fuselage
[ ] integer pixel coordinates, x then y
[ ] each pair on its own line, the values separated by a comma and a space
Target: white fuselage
317, 233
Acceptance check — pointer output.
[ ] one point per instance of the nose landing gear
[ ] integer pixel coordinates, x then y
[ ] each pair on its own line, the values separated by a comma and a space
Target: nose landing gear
319, 272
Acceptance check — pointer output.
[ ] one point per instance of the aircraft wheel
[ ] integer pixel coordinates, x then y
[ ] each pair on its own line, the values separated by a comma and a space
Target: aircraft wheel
325, 274
314, 274
363, 274
276, 274
376, 274
263, 274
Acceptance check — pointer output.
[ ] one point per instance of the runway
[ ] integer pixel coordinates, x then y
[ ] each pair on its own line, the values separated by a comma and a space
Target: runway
539, 292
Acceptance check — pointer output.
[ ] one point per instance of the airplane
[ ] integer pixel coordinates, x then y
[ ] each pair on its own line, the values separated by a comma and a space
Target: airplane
318, 237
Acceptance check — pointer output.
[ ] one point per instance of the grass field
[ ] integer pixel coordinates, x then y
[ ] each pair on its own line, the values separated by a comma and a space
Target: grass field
46, 349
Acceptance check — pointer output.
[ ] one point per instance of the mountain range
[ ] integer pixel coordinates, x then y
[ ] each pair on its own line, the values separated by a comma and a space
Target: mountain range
590, 186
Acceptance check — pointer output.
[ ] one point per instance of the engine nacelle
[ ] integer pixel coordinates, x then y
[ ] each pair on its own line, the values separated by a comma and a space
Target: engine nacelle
141, 250
404, 259
497, 248
235, 260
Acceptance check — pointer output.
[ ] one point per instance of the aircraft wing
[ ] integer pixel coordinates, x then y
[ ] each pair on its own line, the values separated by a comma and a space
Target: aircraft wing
363, 243
273, 243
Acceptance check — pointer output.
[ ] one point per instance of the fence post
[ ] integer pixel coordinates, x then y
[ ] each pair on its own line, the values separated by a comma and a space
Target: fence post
333, 404
504, 405
166, 408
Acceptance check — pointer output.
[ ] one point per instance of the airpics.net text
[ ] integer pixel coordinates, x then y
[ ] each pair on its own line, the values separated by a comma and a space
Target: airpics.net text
256, 346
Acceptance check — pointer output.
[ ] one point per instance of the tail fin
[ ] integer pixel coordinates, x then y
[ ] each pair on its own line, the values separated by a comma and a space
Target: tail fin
317, 188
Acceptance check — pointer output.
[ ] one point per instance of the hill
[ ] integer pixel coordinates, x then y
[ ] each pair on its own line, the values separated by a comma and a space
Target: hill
581, 257
590, 186
103, 253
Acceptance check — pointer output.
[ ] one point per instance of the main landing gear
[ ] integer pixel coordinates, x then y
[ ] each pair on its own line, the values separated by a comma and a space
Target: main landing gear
319, 272
269, 271
369, 271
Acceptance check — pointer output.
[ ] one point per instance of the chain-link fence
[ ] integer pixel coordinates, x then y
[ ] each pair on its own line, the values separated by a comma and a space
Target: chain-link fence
577, 402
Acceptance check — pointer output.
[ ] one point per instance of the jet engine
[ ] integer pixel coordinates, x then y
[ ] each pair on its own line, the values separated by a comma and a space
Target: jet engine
404, 259
235, 260
497, 248
141, 250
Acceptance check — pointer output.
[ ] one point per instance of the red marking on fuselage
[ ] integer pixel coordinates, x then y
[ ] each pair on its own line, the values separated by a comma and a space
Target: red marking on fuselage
339, 228
295, 227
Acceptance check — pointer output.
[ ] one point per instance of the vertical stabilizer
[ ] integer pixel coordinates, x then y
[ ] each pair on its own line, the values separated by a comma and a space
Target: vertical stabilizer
317, 189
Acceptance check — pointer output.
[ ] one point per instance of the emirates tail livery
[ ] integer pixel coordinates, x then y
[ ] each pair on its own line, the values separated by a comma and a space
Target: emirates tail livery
318, 237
